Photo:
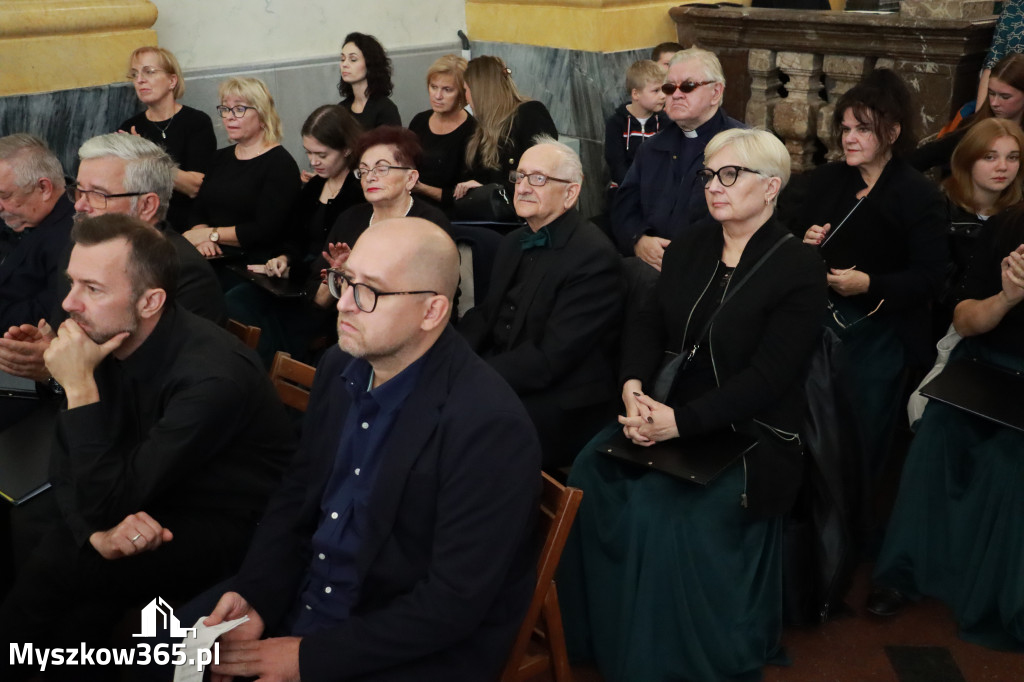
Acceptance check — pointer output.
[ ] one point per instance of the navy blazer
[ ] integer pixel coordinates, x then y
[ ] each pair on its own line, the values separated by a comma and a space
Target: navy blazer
659, 197
32, 273
448, 565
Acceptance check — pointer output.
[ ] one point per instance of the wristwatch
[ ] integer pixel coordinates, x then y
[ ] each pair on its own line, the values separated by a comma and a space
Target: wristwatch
215, 236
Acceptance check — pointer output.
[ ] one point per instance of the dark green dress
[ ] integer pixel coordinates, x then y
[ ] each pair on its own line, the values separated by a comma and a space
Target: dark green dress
664, 580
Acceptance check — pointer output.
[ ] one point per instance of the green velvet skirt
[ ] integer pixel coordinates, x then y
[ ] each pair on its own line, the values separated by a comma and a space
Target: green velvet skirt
957, 530
666, 580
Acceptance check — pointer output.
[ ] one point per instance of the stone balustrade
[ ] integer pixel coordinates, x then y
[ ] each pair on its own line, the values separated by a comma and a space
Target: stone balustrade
785, 69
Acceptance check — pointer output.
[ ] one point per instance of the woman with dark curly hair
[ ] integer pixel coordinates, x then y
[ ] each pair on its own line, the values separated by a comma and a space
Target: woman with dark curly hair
365, 85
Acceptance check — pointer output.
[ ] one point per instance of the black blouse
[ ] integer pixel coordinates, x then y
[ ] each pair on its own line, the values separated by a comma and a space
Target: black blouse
444, 156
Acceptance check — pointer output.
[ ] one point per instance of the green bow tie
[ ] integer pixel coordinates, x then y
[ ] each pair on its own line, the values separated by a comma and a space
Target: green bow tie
535, 240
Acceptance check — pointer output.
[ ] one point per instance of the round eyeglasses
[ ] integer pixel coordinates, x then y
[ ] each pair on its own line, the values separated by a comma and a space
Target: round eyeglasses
535, 179
97, 200
380, 170
726, 175
685, 87
364, 295
238, 110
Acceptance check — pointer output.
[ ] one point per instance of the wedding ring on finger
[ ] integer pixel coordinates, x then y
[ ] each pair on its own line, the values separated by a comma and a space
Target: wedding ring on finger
137, 536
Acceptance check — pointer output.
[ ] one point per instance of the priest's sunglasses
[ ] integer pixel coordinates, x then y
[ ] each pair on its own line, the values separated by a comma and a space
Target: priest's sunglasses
686, 87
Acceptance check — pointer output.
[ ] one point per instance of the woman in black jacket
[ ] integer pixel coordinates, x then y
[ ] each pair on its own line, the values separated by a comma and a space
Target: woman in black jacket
879, 225
666, 580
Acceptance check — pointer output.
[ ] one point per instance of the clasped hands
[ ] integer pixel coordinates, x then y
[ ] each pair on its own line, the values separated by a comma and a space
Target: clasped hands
22, 348
646, 421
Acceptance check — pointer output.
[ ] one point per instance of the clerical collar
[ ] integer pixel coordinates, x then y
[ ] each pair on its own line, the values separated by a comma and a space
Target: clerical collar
690, 133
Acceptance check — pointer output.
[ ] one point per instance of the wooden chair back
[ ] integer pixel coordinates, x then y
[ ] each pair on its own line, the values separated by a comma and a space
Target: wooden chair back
292, 379
249, 334
540, 644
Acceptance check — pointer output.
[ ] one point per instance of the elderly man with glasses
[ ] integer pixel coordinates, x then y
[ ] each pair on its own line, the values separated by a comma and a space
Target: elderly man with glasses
38, 218
659, 198
550, 319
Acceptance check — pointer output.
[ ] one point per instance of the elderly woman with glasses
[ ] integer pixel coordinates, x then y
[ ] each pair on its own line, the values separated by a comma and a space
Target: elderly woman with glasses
243, 206
665, 579
183, 132
879, 224
387, 158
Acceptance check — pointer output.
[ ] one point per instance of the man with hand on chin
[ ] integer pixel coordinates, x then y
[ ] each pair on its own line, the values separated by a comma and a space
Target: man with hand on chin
172, 440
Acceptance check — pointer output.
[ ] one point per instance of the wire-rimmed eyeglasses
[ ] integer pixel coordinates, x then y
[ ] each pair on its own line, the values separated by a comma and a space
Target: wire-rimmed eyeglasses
97, 200
535, 179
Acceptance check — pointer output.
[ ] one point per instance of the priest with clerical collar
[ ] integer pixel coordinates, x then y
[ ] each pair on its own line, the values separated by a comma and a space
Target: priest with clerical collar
550, 319
658, 198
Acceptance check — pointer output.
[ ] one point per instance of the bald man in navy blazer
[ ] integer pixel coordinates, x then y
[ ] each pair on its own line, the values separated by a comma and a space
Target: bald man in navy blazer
400, 546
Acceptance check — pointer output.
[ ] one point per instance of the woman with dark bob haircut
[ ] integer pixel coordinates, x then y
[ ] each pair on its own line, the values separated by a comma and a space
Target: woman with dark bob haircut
879, 225
365, 85
386, 167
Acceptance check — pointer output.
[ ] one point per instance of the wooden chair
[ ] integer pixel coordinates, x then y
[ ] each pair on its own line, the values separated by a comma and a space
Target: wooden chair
292, 379
540, 644
248, 334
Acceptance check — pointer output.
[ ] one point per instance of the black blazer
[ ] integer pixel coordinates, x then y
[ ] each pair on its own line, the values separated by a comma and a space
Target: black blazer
760, 341
563, 333
448, 566
32, 275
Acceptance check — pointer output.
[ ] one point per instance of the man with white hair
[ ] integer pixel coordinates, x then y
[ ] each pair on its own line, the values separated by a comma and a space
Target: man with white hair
548, 324
658, 198
125, 174
33, 207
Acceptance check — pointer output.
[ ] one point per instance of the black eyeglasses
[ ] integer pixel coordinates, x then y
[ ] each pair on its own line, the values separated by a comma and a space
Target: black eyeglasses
97, 200
845, 323
686, 86
535, 179
726, 175
238, 110
147, 71
380, 170
364, 295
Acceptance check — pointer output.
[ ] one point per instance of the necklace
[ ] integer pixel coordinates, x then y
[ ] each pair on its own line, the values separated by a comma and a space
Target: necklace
163, 131
373, 218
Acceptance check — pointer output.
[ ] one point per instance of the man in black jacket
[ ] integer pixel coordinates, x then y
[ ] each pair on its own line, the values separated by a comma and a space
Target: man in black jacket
399, 546
172, 440
551, 316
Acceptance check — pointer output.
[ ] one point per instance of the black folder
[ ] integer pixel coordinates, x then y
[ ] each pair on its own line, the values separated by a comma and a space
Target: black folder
282, 287
25, 454
697, 459
16, 387
989, 392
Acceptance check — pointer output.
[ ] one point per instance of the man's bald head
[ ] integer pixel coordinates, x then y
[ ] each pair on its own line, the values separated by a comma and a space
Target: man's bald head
423, 252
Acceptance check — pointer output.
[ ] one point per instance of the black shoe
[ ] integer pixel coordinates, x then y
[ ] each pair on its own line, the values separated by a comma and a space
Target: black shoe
885, 601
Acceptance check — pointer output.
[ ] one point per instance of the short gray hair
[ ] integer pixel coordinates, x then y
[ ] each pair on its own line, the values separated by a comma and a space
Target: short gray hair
708, 62
30, 160
571, 168
147, 167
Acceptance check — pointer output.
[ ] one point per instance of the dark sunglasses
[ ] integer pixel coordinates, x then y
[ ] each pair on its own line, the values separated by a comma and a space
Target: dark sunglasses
686, 87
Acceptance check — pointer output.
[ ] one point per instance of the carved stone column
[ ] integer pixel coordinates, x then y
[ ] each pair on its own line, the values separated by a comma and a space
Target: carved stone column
62, 44
842, 72
764, 88
796, 116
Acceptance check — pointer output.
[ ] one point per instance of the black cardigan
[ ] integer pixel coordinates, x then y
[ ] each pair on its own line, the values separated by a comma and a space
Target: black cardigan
530, 119
760, 342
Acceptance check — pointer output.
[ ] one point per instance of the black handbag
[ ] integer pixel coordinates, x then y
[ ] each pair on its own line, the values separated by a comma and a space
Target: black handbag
488, 203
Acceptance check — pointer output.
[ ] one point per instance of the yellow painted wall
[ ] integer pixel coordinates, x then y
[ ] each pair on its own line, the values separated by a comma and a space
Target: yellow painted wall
591, 25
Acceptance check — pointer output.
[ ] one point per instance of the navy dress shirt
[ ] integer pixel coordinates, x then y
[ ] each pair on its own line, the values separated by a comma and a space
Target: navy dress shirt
332, 585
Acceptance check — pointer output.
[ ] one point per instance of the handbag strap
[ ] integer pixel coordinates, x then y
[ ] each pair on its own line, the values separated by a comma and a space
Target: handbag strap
734, 288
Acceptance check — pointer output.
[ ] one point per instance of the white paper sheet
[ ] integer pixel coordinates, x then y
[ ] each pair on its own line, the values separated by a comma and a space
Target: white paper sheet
204, 639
